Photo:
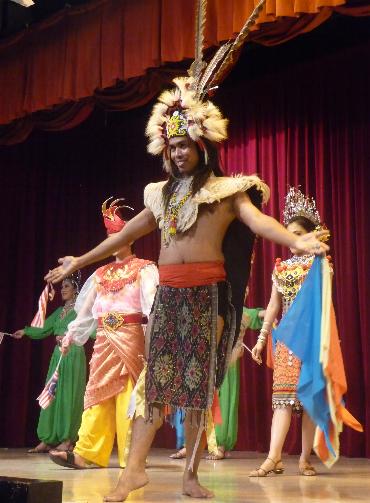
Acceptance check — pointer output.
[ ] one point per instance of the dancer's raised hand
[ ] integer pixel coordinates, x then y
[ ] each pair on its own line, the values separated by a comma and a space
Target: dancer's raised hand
312, 242
67, 267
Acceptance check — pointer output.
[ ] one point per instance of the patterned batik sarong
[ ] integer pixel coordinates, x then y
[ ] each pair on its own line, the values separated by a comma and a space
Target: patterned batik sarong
185, 365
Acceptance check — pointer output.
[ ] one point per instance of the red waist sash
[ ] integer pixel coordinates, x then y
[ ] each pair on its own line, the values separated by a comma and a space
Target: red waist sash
115, 320
191, 274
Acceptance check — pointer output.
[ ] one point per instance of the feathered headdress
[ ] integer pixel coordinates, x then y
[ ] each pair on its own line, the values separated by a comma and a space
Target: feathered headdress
179, 113
112, 220
184, 110
299, 205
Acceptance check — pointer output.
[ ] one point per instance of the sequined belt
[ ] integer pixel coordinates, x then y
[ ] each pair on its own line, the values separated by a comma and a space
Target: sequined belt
113, 321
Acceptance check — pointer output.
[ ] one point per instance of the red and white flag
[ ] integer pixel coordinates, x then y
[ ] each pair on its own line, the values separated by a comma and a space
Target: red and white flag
48, 393
39, 318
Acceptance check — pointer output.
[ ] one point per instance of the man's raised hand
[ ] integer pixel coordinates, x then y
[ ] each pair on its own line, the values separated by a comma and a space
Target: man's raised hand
67, 267
312, 243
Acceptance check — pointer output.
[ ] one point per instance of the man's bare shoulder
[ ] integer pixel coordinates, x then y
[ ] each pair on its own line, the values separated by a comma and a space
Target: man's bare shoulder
219, 188
154, 186
153, 197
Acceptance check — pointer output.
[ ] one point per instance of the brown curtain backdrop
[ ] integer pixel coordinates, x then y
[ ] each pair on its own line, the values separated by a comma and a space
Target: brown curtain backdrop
302, 122
79, 51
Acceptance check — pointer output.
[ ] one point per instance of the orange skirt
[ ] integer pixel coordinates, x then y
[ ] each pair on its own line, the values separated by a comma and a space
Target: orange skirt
287, 368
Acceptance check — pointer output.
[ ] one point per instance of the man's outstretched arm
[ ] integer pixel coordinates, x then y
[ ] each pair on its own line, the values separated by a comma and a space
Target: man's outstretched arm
139, 226
269, 228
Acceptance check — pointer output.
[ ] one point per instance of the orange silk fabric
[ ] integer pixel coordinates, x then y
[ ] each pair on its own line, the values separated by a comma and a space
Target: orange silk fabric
116, 355
193, 274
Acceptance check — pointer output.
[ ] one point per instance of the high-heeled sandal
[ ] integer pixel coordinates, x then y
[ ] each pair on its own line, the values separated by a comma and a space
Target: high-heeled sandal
180, 454
277, 471
307, 469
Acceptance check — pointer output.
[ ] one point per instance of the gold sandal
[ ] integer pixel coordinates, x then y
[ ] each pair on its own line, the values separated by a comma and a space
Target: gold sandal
307, 469
180, 454
277, 471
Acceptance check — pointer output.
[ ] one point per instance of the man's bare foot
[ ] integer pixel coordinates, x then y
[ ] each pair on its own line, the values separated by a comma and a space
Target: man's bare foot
180, 454
62, 456
218, 455
192, 488
127, 483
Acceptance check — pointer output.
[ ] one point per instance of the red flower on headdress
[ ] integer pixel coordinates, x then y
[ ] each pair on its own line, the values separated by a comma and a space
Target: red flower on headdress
112, 220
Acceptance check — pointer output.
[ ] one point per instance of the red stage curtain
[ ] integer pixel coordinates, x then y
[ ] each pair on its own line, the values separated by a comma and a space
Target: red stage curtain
310, 128
80, 50
312, 131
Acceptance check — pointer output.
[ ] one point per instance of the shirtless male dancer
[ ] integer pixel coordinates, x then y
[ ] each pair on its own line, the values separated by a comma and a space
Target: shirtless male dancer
192, 327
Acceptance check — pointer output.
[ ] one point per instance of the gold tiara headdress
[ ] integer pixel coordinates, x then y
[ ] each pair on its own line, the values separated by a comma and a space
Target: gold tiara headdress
299, 205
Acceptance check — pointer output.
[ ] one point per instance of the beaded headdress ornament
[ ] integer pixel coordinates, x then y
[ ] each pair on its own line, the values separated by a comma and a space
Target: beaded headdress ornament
184, 110
299, 205
75, 279
180, 112
112, 220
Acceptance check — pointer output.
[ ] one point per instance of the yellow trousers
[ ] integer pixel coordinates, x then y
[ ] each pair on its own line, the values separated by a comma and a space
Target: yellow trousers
99, 426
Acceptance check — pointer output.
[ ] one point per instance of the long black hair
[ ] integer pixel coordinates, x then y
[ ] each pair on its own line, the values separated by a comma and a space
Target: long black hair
201, 174
239, 239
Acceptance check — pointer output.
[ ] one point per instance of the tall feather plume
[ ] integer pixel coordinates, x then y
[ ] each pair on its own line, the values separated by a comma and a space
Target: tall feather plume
198, 66
210, 76
203, 118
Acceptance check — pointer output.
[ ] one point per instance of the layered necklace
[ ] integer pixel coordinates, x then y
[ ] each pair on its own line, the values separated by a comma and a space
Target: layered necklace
66, 308
177, 200
290, 275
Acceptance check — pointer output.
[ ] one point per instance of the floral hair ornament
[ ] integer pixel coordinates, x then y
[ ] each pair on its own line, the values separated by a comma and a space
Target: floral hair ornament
112, 220
184, 110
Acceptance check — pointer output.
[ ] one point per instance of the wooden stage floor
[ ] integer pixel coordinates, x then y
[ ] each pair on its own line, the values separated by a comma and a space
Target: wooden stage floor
347, 482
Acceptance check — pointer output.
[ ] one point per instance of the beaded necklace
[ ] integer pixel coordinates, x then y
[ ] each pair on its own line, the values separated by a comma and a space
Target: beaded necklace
65, 310
173, 209
114, 276
289, 275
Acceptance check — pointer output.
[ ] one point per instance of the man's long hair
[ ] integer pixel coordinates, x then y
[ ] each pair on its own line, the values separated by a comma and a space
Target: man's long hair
201, 174
239, 240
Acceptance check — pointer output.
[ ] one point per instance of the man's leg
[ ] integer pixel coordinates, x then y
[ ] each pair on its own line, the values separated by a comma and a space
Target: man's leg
134, 476
191, 485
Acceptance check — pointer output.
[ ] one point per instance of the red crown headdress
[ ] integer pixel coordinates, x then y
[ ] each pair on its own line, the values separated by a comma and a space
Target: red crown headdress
112, 220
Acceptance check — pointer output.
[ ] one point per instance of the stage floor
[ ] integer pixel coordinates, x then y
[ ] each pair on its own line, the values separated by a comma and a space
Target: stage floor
347, 482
